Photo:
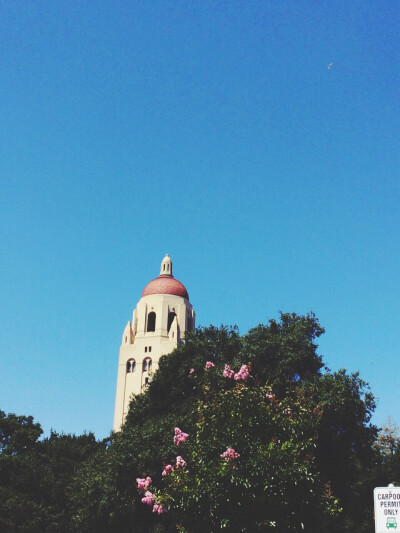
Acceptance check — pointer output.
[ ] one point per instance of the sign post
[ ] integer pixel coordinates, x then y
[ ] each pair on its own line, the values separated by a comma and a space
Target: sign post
387, 509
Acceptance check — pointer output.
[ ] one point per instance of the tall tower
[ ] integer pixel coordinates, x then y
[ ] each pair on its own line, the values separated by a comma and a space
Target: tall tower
159, 322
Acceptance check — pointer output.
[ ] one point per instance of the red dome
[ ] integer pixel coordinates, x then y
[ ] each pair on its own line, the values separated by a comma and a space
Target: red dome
165, 285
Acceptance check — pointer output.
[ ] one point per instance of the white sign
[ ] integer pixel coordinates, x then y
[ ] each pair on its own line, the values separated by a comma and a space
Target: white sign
387, 509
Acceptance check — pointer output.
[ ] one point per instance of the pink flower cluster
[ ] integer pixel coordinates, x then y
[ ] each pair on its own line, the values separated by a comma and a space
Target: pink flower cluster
209, 365
180, 463
228, 373
287, 411
143, 484
148, 498
242, 374
180, 436
270, 395
167, 470
159, 509
230, 455
191, 371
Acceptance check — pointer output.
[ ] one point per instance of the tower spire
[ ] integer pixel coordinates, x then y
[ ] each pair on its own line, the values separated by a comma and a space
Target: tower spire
166, 266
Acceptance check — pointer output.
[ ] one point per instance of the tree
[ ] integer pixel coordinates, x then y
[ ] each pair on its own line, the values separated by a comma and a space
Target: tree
388, 448
34, 474
345, 453
330, 425
18, 473
249, 464
388, 438
18, 434
276, 441
284, 352
59, 457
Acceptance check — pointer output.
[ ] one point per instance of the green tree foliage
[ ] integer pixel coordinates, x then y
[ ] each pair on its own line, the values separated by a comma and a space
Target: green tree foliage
388, 449
272, 484
297, 467
330, 424
388, 438
171, 390
18, 474
34, 475
345, 454
284, 352
18, 434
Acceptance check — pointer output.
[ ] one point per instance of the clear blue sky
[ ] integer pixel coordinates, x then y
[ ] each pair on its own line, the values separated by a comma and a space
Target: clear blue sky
215, 132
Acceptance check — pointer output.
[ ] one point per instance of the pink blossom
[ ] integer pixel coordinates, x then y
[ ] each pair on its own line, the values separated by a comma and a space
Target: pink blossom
157, 508
143, 484
270, 395
191, 371
180, 436
228, 373
229, 455
180, 463
167, 470
287, 411
209, 365
148, 498
242, 374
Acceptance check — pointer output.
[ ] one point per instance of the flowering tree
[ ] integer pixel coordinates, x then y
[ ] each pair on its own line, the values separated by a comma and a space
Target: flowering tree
270, 449
249, 465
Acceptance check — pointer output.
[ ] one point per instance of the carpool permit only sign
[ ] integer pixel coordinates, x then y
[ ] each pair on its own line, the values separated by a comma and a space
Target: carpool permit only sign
387, 509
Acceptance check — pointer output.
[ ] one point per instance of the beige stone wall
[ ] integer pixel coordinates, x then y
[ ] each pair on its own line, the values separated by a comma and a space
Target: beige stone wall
140, 345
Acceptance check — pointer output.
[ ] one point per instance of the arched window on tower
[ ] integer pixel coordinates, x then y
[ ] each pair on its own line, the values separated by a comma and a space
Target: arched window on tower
147, 365
151, 321
130, 366
171, 316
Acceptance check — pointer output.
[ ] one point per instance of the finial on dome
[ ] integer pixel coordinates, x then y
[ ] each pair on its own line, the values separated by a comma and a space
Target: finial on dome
166, 266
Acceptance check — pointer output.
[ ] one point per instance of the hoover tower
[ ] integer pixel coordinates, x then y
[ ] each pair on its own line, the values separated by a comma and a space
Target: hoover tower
159, 322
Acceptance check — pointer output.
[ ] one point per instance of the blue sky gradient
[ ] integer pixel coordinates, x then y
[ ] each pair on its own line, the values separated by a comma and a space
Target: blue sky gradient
212, 131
